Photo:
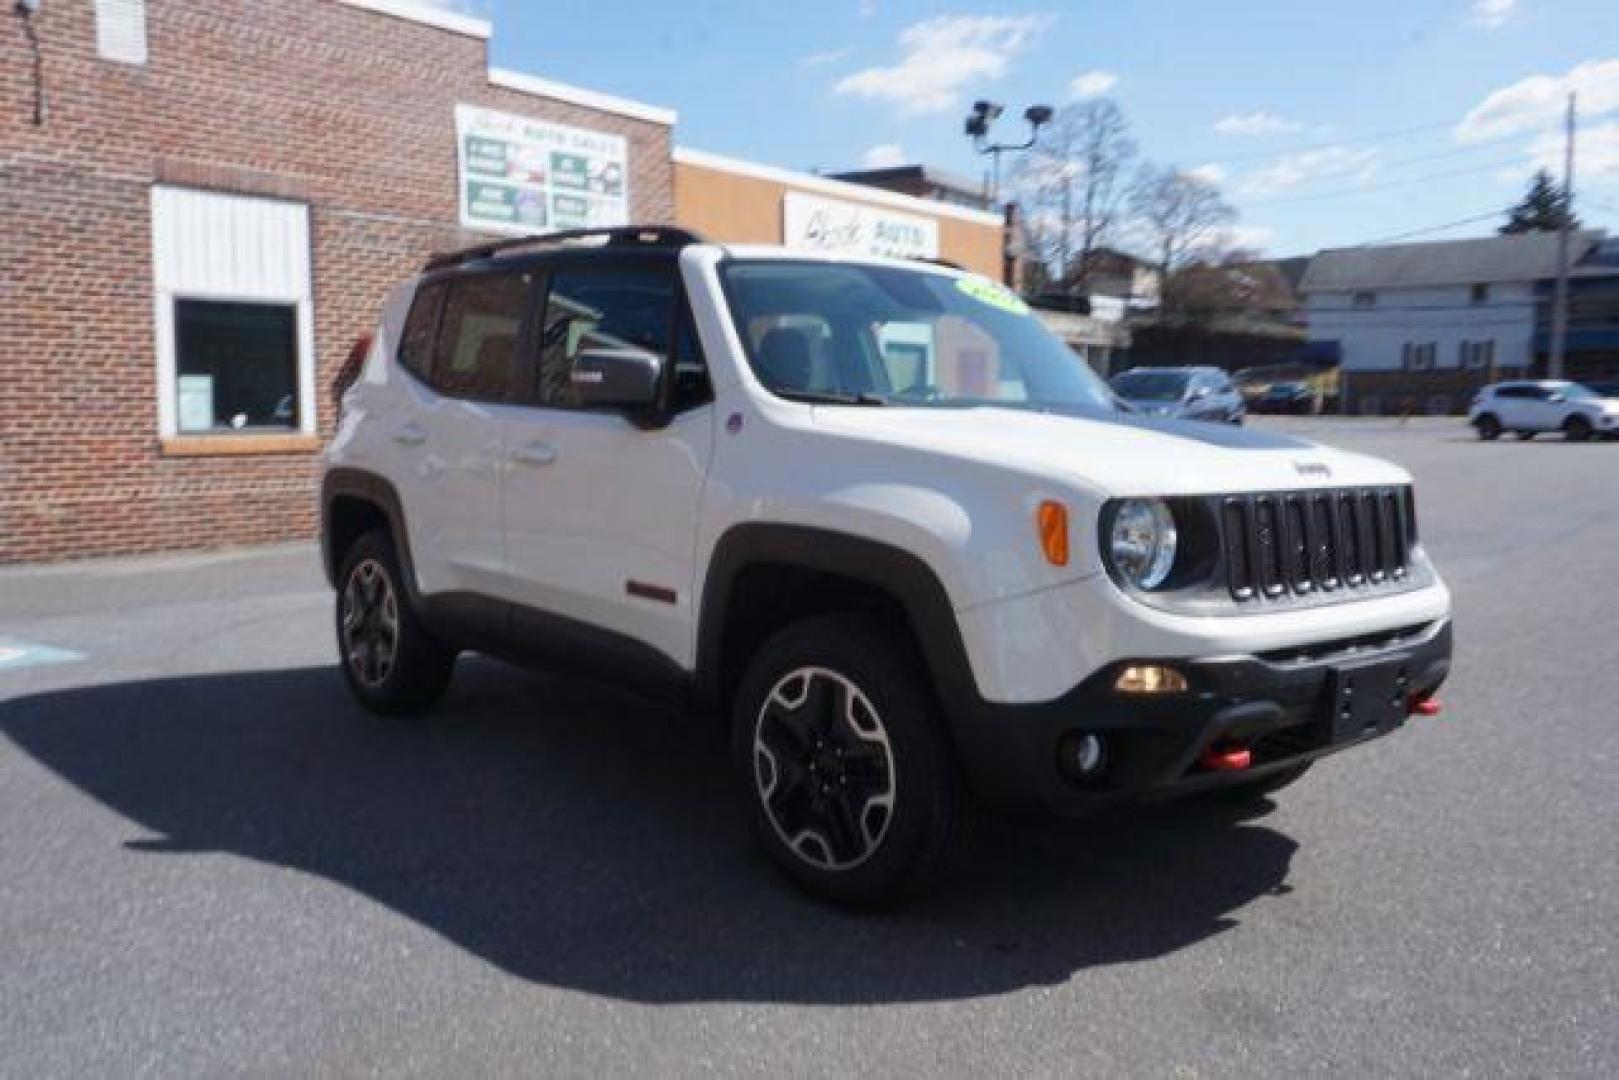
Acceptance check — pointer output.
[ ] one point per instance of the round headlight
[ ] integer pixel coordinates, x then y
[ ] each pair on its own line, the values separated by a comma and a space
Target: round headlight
1142, 544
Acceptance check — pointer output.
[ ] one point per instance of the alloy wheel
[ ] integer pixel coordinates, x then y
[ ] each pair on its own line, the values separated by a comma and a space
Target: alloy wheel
370, 624
824, 768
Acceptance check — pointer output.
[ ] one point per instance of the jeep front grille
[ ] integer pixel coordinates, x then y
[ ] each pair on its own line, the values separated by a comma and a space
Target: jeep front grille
1299, 542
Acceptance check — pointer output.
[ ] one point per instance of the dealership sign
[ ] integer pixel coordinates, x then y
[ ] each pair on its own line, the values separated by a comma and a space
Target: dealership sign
524, 176
855, 228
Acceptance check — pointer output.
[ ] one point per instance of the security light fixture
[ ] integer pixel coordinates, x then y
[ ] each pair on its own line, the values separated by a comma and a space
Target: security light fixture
976, 128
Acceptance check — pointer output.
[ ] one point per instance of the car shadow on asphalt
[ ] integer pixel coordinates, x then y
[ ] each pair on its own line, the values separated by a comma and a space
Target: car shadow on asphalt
584, 840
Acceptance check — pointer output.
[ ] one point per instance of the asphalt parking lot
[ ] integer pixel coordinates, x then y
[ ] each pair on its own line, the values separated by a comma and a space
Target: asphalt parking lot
210, 862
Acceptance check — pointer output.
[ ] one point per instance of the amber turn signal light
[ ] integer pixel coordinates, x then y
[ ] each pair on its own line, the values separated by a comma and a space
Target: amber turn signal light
1150, 679
1051, 521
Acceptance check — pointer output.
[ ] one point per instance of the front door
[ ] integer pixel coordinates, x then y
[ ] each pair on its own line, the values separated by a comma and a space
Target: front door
601, 514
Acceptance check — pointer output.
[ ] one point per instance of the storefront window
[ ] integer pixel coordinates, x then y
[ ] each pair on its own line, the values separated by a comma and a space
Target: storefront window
236, 365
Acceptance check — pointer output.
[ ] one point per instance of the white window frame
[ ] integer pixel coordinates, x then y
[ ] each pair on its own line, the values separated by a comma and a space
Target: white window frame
164, 314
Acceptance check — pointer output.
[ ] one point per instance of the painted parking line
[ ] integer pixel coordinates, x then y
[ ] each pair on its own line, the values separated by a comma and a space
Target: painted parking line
21, 654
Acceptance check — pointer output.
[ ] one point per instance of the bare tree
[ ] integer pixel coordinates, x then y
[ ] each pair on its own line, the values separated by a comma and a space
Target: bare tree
1077, 180
1183, 216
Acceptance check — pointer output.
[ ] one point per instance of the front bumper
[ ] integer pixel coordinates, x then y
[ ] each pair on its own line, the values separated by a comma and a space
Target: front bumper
1278, 705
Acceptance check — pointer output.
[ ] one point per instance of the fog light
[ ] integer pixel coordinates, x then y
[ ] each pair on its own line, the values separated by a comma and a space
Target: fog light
1150, 679
1082, 756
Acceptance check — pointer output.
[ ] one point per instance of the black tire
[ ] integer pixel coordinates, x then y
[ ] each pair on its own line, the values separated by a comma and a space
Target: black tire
1489, 428
408, 677
1524, 436
1577, 429
1265, 785
838, 709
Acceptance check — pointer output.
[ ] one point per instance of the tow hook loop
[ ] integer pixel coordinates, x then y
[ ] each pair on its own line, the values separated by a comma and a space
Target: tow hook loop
1226, 759
1428, 706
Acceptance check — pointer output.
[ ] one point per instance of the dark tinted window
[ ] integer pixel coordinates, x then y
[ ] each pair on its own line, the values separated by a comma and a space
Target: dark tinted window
1511, 391
236, 365
416, 340
602, 307
477, 338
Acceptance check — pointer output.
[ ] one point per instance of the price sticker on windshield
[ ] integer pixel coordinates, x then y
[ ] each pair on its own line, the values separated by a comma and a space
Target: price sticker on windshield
986, 291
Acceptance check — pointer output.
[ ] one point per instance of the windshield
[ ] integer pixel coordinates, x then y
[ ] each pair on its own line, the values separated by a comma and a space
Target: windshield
1577, 391
1150, 385
852, 334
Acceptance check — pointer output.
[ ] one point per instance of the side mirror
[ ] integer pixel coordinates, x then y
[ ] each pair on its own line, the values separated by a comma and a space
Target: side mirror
616, 379
1200, 393
1557, 399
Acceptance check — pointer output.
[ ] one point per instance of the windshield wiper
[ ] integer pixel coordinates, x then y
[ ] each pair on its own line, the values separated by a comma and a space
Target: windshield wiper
829, 397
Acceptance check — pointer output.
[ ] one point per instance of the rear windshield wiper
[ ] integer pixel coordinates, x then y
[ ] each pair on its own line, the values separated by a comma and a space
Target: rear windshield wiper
828, 397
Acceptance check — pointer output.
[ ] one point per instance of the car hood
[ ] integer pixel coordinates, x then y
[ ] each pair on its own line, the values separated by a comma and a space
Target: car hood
1115, 454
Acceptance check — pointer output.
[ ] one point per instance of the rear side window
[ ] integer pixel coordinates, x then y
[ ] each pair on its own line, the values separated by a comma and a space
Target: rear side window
477, 337
602, 307
416, 340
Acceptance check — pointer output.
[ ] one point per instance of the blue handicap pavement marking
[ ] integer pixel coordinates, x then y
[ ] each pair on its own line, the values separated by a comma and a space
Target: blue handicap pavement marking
21, 654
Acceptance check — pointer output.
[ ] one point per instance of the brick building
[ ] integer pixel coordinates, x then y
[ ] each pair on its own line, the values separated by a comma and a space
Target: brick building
203, 204
245, 179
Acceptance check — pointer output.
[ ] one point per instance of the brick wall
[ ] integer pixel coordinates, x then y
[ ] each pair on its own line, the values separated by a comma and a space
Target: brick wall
348, 110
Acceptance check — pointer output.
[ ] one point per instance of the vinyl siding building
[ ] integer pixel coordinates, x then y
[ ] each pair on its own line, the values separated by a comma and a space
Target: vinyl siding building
1420, 327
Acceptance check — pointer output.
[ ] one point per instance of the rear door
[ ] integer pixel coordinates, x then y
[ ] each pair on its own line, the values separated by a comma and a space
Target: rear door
449, 444
601, 513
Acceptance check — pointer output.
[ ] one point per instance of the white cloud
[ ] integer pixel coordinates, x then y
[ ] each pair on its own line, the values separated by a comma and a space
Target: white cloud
1254, 124
1537, 102
1093, 84
1250, 237
1211, 173
1291, 170
1598, 154
867, 8
825, 57
884, 156
941, 55
1492, 13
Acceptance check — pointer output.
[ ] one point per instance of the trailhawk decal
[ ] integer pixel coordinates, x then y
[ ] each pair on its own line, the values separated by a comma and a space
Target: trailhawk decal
986, 291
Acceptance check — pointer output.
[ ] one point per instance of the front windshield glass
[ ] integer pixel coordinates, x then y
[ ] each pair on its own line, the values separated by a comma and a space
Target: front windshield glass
1150, 385
1576, 390
853, 334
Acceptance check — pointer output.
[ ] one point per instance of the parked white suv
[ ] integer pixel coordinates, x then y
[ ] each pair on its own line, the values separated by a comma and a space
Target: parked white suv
1528, 408
877, 522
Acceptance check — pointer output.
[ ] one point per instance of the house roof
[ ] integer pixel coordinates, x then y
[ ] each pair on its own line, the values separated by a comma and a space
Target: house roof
1521, 257
927, 174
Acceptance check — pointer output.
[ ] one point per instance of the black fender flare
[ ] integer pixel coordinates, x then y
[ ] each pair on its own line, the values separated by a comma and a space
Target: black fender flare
379, 492
893, 570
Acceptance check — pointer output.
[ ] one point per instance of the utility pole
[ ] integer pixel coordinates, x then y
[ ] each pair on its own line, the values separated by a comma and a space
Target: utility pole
1559, 341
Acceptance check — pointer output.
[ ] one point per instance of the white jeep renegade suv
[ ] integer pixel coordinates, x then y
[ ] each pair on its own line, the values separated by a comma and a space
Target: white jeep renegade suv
877, 521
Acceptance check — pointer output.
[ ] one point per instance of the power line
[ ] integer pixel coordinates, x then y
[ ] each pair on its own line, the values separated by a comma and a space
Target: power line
1474, 220
1455, 151
1359, 140
1369, 188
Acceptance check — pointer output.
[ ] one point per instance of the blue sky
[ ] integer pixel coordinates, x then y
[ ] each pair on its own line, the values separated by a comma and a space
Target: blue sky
1326, 123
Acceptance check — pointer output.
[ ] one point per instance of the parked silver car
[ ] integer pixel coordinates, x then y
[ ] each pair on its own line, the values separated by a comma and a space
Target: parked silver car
1183, 393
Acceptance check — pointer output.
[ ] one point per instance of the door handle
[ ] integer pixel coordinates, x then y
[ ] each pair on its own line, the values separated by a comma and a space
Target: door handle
535, 453
410, 435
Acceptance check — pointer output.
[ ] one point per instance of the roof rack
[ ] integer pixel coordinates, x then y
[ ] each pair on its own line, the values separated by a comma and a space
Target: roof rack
627, 236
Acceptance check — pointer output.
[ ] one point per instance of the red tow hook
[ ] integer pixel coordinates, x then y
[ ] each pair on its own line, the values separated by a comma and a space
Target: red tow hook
1426, 706
1226, 759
